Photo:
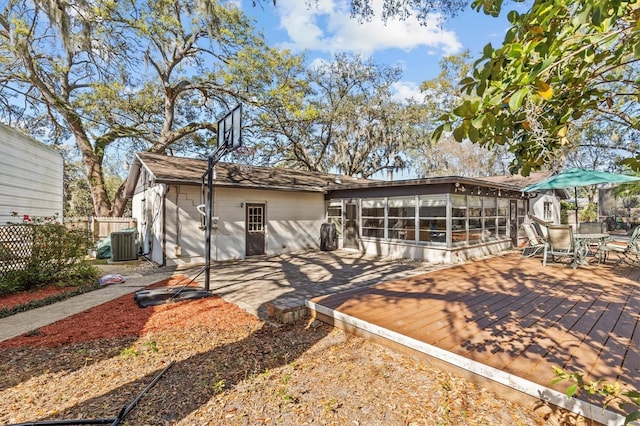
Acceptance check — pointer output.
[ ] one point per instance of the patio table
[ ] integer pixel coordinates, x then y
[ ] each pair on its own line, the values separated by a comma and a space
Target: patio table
583, 243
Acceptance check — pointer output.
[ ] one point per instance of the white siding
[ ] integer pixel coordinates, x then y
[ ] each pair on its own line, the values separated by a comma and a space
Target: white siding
184, 234
31, 177
147, 208
432, 254
537, 206
293, 221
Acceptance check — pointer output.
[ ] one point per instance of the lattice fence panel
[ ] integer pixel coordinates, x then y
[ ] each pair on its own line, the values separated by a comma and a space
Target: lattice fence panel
16, 242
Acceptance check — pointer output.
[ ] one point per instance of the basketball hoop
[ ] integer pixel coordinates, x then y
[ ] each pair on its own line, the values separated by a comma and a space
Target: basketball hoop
230, 130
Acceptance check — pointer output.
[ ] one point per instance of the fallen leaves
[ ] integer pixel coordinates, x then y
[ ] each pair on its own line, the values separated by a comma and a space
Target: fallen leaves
231, 369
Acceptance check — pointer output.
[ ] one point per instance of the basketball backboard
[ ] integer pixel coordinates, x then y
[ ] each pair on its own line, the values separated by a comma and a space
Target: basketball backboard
230, 129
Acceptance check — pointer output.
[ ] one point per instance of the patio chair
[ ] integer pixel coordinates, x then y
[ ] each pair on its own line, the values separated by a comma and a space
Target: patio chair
538, 224
535, 243
592, 228
560, 243
627, 251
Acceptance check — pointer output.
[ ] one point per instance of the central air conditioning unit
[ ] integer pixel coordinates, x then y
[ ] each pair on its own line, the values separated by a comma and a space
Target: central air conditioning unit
124, 246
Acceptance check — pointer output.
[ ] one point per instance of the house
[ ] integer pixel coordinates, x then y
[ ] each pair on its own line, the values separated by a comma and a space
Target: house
261, 210
31, 178
256, 210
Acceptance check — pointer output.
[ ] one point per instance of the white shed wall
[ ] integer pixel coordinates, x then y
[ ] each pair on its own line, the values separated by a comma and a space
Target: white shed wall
148, 208
184, 236
292, 222
31, 177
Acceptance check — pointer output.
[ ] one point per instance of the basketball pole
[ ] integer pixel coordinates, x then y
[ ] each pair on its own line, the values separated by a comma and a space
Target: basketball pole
208, 210
229, 139
207, 222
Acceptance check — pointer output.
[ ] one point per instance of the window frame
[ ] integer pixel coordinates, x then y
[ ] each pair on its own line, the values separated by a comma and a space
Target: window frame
381, 220
337, 220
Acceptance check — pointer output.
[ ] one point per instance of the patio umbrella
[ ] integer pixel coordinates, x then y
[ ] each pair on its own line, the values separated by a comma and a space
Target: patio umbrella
573, 178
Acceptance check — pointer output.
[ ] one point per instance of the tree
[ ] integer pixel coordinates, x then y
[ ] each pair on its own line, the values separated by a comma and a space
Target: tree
447, 157
561, 64
131, 76
77, 196
347, 119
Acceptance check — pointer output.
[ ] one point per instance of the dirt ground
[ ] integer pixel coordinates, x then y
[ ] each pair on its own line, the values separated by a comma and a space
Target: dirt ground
229, 368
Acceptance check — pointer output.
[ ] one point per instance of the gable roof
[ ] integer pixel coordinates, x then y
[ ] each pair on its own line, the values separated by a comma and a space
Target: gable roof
519, 180
189, 171
524, 181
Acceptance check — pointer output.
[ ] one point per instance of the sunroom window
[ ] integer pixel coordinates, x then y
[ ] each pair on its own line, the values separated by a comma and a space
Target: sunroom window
373, 218
475, 218
503, 213
458, 219
490, 218
401, 213
433, 218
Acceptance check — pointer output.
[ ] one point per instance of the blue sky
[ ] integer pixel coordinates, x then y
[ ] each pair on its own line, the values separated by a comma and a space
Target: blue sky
328, 29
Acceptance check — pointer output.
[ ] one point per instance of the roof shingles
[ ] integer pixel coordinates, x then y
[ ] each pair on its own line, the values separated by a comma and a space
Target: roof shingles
167, 169
183, 170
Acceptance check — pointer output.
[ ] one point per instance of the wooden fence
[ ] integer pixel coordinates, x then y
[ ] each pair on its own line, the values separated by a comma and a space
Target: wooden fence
100, 227
78, 223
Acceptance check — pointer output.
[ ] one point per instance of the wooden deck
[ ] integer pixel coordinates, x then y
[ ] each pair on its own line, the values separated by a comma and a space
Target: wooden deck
509, 319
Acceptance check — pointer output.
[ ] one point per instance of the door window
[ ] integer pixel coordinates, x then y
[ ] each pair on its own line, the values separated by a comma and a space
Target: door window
255, 219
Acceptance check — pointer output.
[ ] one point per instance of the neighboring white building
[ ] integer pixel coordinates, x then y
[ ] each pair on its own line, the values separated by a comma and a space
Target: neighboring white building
31, 177
545, 204
260, 210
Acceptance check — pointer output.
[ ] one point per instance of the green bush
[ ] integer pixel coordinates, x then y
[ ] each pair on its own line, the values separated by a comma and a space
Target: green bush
565, 207
589, 213
627, 400
51, 254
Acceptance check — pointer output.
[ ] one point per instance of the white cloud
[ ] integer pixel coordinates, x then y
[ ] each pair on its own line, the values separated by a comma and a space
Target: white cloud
405, 90
318, 62
330, 28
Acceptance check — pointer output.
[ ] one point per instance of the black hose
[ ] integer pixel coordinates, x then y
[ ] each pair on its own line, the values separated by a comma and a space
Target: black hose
125, 410
112, 421
66, 422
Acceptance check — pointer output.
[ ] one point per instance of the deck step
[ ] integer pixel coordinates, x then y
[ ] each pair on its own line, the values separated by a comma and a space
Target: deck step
287, 311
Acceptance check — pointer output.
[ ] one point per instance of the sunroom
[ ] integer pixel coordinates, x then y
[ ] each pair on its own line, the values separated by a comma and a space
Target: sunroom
440, 220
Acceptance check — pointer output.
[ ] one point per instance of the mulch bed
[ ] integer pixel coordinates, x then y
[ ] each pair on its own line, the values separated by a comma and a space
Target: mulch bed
11, 300
230, 369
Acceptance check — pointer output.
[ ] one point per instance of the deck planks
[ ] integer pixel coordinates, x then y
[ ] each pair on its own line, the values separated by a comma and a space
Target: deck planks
513, 314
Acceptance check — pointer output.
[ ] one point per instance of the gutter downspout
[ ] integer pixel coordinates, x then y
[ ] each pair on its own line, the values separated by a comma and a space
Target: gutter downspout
164, 223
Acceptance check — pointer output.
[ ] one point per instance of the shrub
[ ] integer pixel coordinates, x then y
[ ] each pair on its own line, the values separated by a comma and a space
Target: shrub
589, 213
50, 253
627, 400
